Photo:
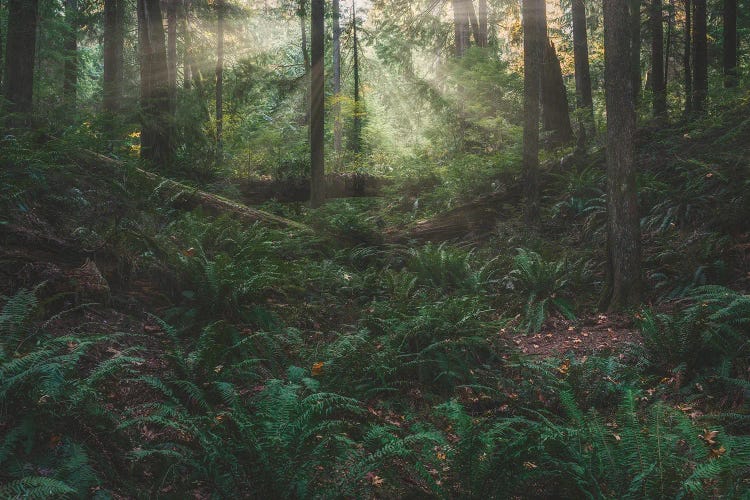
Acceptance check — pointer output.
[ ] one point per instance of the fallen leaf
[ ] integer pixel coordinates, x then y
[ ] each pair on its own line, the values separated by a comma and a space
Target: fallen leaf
530, 465
564, 367
709, 437
317, 368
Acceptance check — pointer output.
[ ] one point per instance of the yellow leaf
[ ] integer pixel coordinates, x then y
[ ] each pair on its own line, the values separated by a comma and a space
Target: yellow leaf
317, 368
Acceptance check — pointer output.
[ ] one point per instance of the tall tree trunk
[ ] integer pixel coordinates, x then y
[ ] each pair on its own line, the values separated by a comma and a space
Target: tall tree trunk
687, 57
317, 105
220, 81
172, 50
358, 111
186, 41
20, 54
473, 21
483, 13
534, 37
461, 27
113, 55
623, 229
657, 59
302, 14
338, 128
555, 110
70, 70
730, 43
157, 135
635, 44
700, 44
2, 53
670, 34
581, 54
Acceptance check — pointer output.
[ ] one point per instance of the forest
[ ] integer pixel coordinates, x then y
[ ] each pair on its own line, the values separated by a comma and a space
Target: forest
375, 249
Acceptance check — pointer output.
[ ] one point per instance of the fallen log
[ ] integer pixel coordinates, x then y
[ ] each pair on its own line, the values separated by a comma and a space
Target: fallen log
185, 195
297, 189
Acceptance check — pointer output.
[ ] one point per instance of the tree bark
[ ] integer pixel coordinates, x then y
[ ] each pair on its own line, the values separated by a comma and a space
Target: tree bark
461, 27
113, 55
220, 81
338, 128
700, 44
172, 50
555, 111
635, 44
20, 54
657, 59
483, 13
534, 36
623, 229
687, 57
730, 43
70, 69
317, 105
157, 124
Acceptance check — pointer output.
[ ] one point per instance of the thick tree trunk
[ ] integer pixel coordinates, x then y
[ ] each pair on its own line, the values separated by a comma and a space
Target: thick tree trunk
70, 69
687, 57
156, 118
483, 13
534, 38
220, 81
635, 44
555, 111
356, 142
657, 59
20, 54
317, 105
172, 50
730, 43
581, 55
113, 55
700, 44
461, 27
623, 229
338, 126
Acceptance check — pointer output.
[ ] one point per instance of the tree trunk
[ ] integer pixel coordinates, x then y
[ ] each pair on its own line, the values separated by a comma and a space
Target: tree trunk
623, 229
687, 59
172, 50
473, 21
70, 70
581, 55
156, 119
317, 105
220, 82
186, 65
358, 111
700, 44
338, 128
20, 54
635, 44
301, 12
113, 55
730, 43
657, 59
555, 111
483, 13
534, 36
670, 34
461, 27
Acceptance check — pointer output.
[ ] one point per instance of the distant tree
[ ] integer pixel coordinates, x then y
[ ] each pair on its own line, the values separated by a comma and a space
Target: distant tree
555, 110
113, 54
20, 54
687, 59
700, 57
186, 64
157, 135
220, 80
534, 39
623, 226
483, 13
657, 78
356, 139
317, 105
584, 99
338, 128
70, 68
172, 49
461, 26
730, 43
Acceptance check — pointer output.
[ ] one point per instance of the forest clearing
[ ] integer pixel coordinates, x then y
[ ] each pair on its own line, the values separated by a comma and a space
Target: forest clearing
378, 249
